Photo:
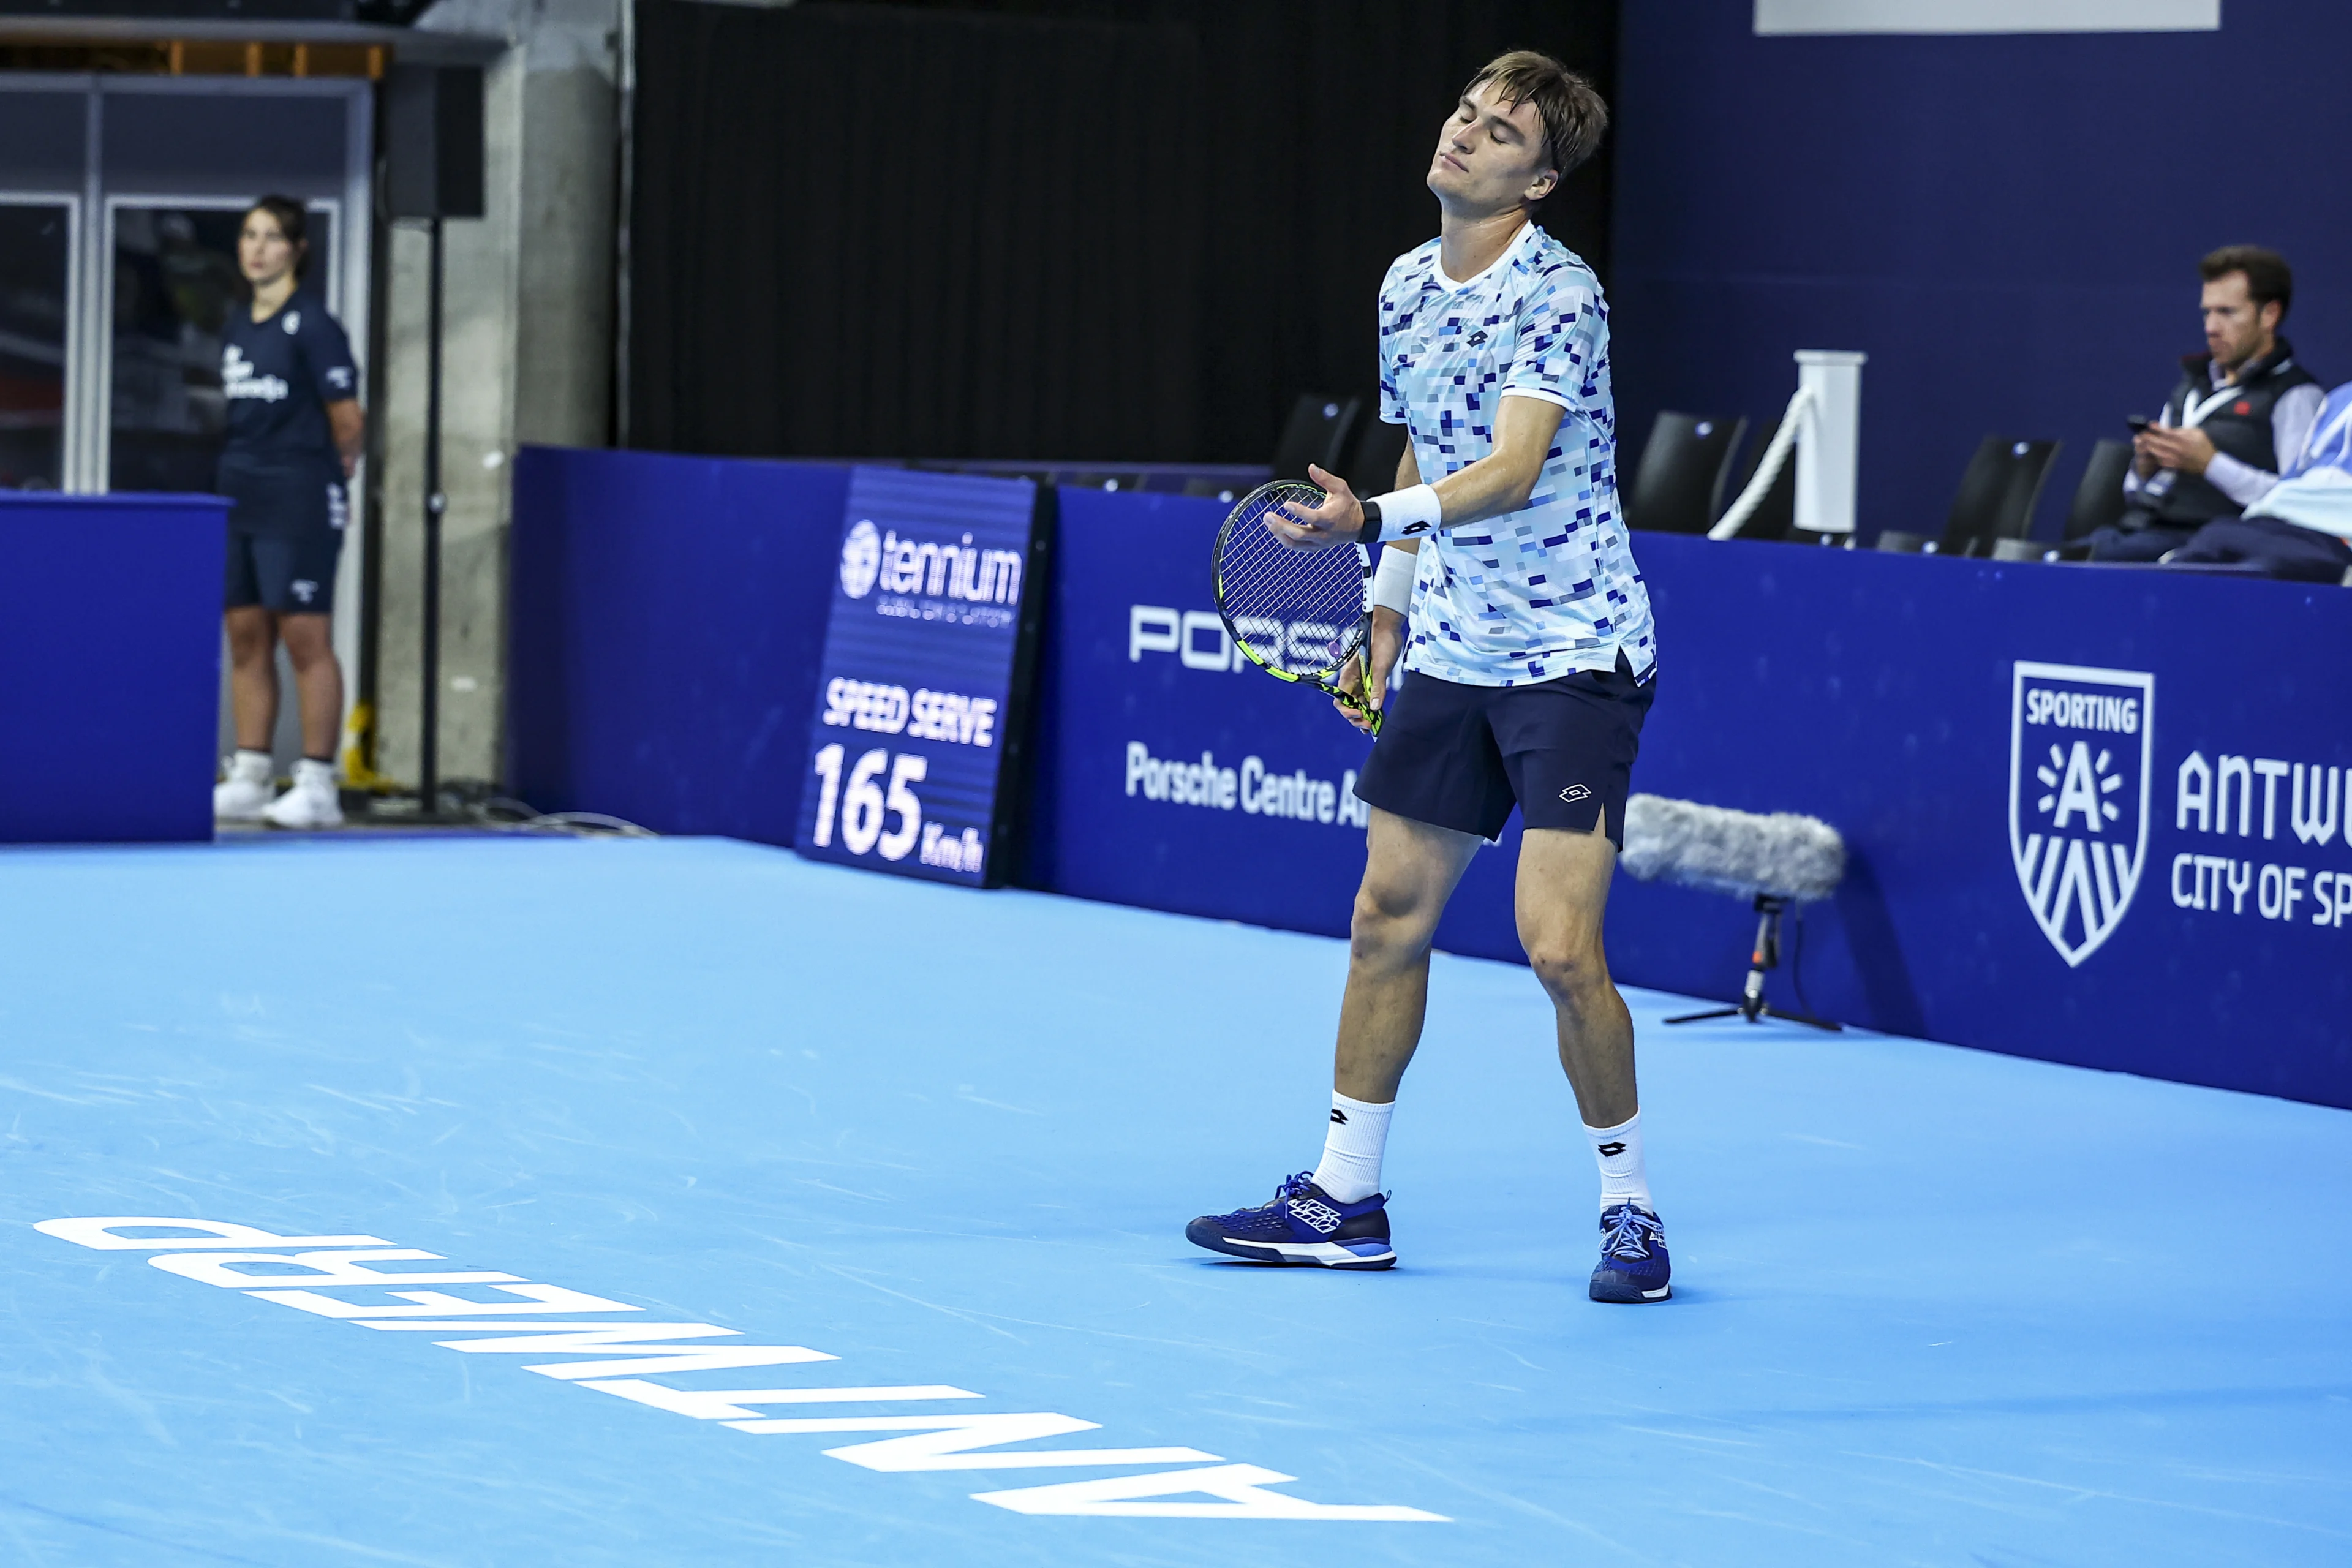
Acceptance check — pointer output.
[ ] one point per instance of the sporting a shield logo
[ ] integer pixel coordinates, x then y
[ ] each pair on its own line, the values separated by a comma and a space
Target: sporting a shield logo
2080, 743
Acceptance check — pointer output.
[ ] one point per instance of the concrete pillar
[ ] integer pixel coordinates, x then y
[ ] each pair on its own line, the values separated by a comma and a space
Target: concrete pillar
526, 336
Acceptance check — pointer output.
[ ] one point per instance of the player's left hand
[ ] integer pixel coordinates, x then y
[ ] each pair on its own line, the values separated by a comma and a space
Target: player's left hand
1370, 690
1338, 521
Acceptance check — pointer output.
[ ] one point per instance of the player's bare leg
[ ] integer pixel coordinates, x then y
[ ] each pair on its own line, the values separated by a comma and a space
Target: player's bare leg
1562, 889
252, 674
1409, 871
1336, 1217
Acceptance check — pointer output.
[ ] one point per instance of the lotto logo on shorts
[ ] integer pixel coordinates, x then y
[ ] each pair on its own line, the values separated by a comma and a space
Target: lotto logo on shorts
1575, 792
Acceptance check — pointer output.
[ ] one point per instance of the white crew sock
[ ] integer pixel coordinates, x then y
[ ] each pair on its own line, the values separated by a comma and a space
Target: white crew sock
252, 767
314, 774
1350, 1170
1618, 1152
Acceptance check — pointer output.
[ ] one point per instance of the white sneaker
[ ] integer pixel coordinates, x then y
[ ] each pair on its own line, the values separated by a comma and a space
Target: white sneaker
312, 803
244, 793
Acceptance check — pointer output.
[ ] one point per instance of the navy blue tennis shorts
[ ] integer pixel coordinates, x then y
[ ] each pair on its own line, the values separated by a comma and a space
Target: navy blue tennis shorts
284, 538
1561, 751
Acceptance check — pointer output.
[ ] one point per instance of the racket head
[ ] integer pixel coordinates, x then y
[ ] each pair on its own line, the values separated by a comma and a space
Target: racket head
1298, 615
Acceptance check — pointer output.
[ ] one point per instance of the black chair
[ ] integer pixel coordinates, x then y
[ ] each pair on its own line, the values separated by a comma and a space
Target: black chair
1318, 432
1678, 489
1999, 490
1373, 466
1776, 518
2099, 499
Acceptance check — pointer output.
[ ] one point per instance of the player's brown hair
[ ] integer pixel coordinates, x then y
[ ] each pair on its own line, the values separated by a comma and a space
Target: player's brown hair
293, 222
2268, 278
1573, 115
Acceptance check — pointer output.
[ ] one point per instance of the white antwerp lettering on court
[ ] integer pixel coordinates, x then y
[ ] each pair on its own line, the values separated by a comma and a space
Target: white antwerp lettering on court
621, 1359
2081, 741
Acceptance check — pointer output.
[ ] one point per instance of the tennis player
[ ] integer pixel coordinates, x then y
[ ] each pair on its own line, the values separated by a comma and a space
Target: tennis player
295, 431
1508, 586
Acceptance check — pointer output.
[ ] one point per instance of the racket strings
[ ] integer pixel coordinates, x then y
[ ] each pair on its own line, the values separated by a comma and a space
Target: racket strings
1299, 611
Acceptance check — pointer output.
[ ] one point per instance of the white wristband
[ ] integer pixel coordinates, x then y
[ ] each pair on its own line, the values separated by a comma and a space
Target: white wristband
1407, 513
1393, 581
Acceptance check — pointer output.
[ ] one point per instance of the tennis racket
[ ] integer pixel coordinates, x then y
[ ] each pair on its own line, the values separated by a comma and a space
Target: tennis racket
1301, 616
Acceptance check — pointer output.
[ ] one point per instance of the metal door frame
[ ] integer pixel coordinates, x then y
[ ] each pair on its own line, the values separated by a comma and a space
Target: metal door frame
89, 335
71, 201
355, 241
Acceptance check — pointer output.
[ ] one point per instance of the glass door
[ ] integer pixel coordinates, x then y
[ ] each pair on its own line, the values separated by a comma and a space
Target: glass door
175, 281
36, 256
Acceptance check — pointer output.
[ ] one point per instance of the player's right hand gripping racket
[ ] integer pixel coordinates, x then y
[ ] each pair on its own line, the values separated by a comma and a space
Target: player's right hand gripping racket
1301, 616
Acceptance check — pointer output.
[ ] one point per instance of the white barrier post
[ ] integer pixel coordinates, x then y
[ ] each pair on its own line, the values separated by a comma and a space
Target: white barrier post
1829, 447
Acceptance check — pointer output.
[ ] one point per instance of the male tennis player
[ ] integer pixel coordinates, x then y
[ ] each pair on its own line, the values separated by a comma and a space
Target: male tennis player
1527, 671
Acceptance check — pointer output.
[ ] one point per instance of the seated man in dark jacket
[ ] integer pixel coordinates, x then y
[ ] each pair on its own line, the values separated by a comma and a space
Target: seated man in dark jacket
2239, 415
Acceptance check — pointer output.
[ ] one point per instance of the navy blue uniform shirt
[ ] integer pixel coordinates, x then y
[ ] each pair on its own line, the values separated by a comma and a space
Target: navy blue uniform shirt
279, 375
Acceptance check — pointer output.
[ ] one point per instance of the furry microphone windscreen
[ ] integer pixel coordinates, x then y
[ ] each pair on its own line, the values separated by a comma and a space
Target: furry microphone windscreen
1736, 852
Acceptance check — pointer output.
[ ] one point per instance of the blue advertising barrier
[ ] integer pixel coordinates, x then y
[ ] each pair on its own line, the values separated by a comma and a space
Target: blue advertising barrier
921, 707
127, 716
668, 614
2095, 817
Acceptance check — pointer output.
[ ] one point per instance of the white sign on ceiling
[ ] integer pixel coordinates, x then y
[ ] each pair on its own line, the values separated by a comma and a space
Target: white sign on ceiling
1784, 17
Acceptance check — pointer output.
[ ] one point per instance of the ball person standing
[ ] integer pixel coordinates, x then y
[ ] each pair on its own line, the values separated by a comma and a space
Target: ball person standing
1528, 675
294, 432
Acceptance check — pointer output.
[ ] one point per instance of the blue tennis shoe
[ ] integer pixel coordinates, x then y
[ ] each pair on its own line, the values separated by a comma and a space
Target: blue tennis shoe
1634, 1265
1303, 1225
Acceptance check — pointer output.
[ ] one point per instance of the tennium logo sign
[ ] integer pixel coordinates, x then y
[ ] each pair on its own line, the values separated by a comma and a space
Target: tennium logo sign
901, 564
861, 558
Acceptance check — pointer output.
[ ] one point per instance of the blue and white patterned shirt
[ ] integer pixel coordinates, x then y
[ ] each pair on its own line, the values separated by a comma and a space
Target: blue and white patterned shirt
2317, 491
1551, 588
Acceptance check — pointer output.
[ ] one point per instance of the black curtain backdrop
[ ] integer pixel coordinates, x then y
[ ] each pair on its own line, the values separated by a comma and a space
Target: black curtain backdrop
1131, 233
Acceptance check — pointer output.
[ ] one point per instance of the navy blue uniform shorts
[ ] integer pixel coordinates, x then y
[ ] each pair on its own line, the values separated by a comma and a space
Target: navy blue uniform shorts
1561, 750
285, 537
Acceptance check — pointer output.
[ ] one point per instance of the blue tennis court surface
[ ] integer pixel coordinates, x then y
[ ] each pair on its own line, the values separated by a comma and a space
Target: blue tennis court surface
1933, 1305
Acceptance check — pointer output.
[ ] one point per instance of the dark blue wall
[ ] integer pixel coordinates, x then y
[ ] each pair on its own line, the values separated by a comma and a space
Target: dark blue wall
2008, 225
667, 616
